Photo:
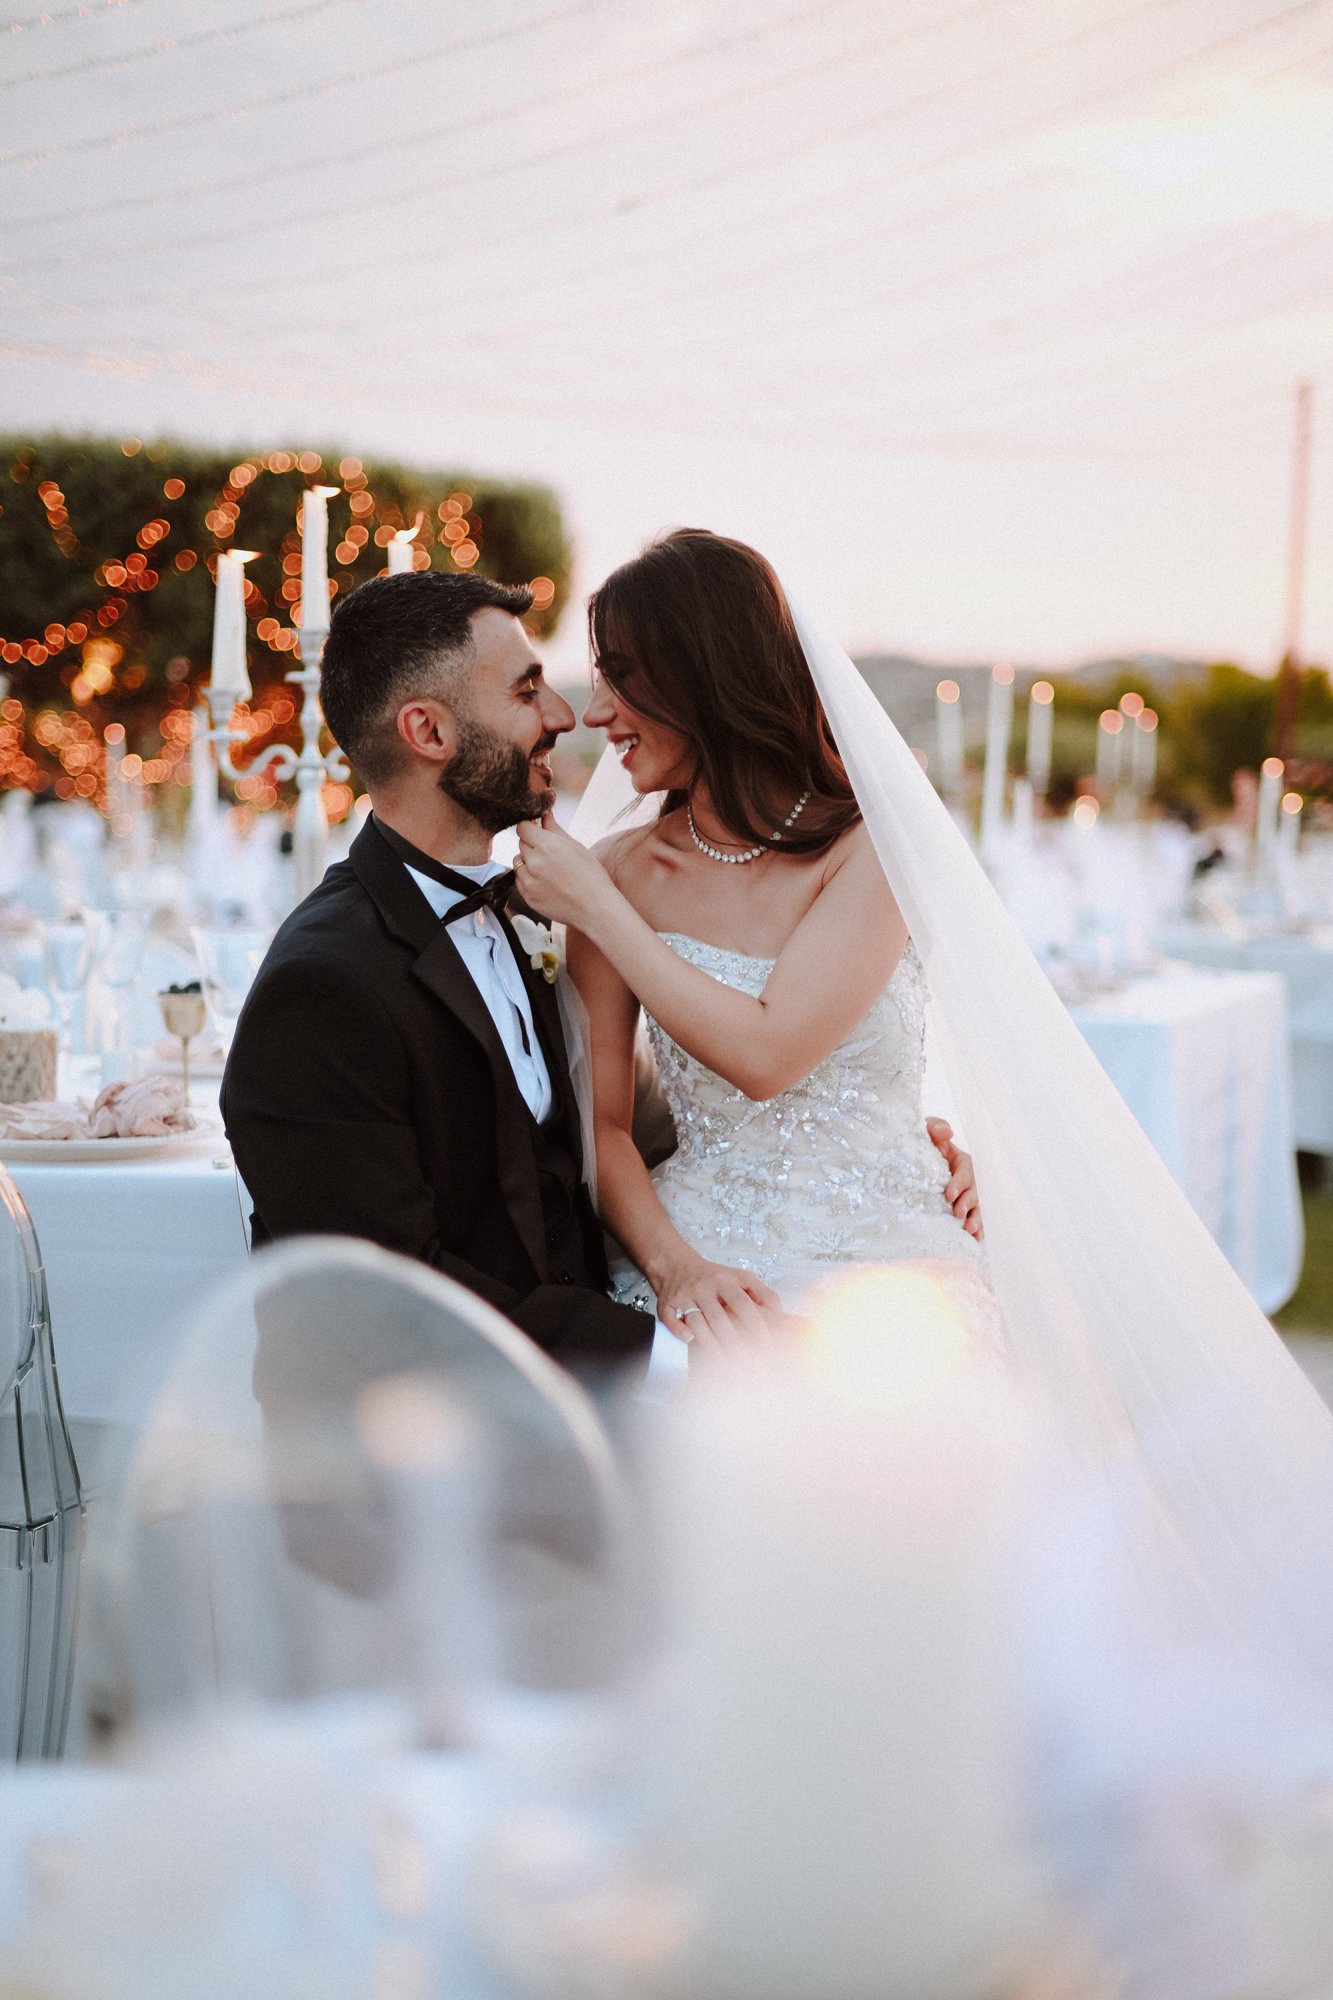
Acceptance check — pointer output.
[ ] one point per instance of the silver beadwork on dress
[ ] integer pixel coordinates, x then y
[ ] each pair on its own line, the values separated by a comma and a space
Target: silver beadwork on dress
837, 1171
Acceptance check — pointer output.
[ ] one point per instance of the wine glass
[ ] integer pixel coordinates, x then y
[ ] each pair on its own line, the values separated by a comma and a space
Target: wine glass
183, 1015
67, 951
228, 961
120, 939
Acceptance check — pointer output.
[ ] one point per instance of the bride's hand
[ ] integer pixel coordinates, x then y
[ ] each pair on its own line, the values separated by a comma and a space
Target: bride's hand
961, 1192
557, 875
718, 1309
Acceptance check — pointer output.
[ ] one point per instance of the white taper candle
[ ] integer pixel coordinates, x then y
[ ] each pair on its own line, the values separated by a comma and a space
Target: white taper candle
1143, 752
857, 1630
315, 558
999, 720
1266, 815
230, 674
402, 550
949, 735
1041, 713
1110, 730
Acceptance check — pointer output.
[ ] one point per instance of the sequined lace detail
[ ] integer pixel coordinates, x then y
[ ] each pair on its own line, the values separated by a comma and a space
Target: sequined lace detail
838, 1169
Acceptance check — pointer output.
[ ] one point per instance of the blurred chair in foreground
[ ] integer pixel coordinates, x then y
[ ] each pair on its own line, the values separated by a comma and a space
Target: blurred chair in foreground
41, 1508
359, 1479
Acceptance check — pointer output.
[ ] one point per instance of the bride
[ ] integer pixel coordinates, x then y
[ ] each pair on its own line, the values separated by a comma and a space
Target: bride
752, 922
784, 984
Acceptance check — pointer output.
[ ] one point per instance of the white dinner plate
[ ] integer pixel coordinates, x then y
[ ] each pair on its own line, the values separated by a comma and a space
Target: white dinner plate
156, 1063
88, 1152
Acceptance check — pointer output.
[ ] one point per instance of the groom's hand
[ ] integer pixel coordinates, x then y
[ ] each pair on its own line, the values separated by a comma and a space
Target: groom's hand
961, 1192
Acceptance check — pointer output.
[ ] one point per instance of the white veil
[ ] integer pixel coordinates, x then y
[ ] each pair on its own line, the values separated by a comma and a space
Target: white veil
1116, 1300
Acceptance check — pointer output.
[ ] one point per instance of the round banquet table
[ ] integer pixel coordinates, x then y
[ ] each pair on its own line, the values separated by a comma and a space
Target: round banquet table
1304, 963
129, 1247
1203, 1061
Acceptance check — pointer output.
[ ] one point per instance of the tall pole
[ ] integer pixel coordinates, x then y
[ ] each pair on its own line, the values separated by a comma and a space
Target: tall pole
1289, 673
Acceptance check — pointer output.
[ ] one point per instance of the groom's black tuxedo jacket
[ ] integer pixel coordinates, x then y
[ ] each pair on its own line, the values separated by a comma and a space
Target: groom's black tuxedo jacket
368, 1094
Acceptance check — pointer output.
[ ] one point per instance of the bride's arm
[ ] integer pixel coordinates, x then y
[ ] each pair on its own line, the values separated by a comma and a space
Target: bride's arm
836, 963
628, 1202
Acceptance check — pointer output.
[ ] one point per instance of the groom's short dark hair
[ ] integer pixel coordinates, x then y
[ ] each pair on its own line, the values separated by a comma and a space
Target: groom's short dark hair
395, 637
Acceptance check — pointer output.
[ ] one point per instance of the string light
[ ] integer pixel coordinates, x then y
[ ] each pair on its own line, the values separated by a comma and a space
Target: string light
133, 573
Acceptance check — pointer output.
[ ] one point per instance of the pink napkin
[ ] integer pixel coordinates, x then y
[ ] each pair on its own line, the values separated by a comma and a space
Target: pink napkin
42, 1121
151, 1107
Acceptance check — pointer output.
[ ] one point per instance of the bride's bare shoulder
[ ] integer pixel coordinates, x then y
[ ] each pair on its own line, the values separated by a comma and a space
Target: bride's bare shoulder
852, 858
621, 854
853, 845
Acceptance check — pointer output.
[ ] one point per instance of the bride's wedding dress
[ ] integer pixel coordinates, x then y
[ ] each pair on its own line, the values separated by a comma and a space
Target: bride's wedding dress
1120, 1314
836, 1172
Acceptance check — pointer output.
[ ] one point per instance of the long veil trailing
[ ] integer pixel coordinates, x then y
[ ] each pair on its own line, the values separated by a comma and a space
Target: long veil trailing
1117, 1303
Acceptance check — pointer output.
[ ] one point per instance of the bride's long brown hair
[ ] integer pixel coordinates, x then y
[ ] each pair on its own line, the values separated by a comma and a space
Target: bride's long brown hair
696, 634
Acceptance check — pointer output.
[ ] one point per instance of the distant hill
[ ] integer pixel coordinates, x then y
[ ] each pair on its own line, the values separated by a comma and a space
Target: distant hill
906, 687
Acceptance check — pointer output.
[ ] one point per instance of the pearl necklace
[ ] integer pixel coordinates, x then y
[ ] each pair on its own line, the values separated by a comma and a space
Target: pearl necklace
746, 853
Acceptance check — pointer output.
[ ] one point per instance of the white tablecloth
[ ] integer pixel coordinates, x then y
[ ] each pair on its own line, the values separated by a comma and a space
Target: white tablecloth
1202, 1060
1305, 965
129, 1247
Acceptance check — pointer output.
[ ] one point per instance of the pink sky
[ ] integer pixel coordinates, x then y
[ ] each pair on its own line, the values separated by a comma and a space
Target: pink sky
983, 320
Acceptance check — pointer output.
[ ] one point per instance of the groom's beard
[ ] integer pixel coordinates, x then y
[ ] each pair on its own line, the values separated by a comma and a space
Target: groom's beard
491, 778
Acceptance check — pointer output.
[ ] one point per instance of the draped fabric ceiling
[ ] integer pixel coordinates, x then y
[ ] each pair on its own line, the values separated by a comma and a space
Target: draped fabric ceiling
983, 317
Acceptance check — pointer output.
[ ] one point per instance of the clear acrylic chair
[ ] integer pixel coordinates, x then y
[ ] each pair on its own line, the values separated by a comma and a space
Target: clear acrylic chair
358, 1480
41, 1508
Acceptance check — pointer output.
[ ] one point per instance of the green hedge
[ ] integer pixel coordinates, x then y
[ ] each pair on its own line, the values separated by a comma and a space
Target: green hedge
71, 506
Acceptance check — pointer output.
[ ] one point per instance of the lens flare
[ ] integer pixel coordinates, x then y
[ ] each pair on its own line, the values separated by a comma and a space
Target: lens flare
891, 1336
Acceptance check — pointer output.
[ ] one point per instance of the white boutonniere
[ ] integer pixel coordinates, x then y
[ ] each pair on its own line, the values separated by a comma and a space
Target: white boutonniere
538, 941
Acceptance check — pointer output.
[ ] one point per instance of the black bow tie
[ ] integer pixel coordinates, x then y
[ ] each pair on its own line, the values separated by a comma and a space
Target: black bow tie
492, 895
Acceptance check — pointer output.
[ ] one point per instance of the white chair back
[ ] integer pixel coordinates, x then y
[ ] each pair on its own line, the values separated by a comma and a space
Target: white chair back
360, 1478
41, 1515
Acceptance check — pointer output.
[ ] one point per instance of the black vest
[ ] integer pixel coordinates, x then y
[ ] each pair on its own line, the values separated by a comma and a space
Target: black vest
561, 1192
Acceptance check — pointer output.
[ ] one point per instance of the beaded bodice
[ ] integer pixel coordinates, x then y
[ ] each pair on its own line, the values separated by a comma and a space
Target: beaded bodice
838, 1169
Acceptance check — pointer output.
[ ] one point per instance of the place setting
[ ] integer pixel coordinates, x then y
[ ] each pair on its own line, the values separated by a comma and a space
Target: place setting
118, 1101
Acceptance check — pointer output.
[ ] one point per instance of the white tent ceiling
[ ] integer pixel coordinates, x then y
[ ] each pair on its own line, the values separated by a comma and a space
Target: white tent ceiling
984, 318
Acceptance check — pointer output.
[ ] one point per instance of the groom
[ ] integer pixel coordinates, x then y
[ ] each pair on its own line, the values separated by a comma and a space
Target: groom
398, 1071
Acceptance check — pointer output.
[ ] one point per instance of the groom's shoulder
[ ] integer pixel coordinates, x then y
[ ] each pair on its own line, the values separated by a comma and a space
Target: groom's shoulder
336, 910
334, 936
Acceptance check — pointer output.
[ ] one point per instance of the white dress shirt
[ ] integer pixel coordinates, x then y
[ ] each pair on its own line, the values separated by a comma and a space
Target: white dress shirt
489, 958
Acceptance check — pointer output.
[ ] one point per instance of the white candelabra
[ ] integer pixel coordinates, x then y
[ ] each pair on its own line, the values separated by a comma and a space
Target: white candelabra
311, 767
